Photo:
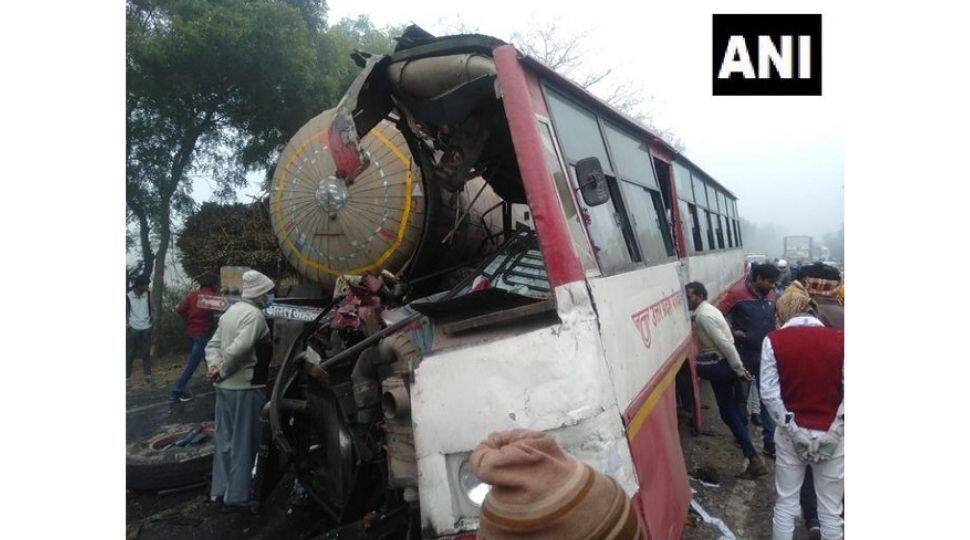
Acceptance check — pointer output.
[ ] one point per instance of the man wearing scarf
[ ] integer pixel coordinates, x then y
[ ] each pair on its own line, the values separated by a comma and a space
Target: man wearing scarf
802, 390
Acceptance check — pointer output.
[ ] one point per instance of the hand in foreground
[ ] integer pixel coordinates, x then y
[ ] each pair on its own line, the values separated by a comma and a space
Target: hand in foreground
803, 443
826, 445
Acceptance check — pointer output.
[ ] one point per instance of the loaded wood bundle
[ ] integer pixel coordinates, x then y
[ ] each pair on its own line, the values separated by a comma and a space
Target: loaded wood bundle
236, 234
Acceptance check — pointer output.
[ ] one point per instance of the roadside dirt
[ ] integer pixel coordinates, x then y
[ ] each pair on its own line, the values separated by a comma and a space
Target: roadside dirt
745, 506
186, 514
165, 370
189, 516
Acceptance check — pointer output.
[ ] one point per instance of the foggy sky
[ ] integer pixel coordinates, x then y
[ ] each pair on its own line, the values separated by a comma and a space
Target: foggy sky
782, 156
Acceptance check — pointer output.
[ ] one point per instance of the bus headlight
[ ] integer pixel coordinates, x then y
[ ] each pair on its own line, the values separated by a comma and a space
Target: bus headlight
471, 487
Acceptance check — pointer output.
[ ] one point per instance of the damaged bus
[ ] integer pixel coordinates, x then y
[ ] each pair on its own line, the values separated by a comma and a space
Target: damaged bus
505, 250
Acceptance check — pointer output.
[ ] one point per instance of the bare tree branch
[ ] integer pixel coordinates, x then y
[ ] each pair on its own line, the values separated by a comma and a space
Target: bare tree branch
565, 53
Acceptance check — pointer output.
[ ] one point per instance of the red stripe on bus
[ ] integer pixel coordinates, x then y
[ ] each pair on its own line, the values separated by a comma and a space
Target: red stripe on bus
562, 262
658, 459
670, 363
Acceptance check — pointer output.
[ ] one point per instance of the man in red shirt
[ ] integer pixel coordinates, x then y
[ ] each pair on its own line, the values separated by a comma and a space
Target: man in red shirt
198, 328
802, 389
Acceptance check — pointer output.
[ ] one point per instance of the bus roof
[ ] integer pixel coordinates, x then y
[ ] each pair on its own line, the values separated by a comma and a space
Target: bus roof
607, 110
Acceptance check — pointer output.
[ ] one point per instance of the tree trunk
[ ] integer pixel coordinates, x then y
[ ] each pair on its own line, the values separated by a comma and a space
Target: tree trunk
144, 230
180, 162
158, 279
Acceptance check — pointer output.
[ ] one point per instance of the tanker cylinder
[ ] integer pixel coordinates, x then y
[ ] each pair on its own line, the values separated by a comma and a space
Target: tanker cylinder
327, 228
426, 78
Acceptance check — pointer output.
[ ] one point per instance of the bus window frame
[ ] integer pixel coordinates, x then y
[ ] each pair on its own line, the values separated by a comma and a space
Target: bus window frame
698, 179
610, 266
655, 195
712, 241
564, 168
634, 260
720, 230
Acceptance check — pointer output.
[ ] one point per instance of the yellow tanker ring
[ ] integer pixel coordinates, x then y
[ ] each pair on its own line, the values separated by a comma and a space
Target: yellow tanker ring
400, 231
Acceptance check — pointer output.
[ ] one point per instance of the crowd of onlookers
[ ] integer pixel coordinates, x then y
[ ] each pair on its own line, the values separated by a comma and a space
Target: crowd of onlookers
773, 352
237, 350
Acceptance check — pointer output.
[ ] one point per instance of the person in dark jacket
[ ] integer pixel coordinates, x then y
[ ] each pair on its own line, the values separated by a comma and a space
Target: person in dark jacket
749, 308
199, 323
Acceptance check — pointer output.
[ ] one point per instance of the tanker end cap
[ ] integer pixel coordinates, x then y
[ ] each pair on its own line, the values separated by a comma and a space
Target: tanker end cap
342, 205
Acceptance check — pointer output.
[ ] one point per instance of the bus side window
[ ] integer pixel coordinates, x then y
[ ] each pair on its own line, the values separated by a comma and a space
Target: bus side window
578, 132
646, 208
691, 228
688, 209
698, 239
576, 230
623, 215
648, 221
685, 227
720, 231
710, 231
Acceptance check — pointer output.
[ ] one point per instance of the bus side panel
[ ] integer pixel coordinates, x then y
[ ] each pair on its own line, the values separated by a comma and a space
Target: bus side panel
645, 331
643, 320
717, 270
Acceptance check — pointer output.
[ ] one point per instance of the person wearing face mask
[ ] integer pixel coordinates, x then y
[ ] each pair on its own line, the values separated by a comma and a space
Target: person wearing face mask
238, 357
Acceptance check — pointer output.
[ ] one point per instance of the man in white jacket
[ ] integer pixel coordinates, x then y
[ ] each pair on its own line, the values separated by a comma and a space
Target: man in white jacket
802, 389
238, 358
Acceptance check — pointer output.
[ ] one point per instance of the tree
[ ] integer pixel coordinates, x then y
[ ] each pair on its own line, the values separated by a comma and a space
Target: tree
213, 87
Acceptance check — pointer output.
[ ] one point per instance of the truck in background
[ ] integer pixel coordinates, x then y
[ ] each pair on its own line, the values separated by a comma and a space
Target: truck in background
798, 249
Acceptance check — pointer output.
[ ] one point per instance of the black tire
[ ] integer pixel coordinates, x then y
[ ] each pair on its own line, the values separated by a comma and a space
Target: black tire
153, 463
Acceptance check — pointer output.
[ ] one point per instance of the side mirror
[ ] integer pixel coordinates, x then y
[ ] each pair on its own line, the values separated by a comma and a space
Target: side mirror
592, 181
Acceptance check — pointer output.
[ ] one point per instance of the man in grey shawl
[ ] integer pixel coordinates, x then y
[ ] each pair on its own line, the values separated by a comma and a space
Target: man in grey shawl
238, 360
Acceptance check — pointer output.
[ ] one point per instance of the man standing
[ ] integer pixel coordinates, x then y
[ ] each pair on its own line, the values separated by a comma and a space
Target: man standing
822, 282
785, 275
238, 358
802, 389
719, 363
140, 315
198, 328
750, 309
